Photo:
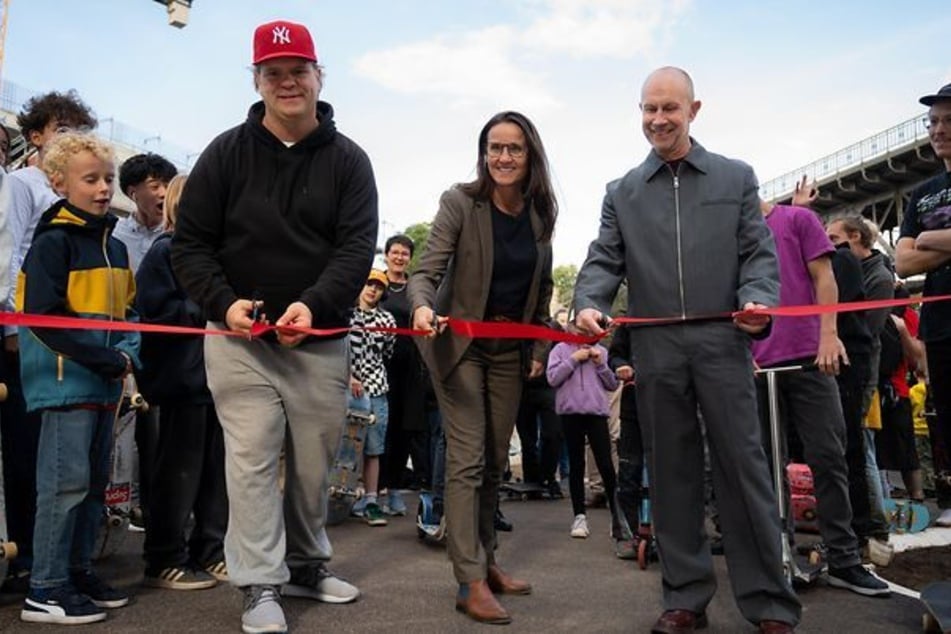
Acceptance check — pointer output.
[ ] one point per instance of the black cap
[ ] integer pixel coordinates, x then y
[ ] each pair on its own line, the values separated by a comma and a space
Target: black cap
942, 95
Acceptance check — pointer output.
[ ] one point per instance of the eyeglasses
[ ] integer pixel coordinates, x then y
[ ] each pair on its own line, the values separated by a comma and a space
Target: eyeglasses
495, 150
932, 122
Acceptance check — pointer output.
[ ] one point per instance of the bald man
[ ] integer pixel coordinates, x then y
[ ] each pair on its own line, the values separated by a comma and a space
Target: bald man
685, 229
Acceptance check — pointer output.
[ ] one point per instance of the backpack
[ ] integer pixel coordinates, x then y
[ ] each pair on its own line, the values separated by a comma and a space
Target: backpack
892, 354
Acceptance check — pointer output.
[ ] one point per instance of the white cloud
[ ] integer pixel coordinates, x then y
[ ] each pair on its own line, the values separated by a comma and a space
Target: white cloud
603, 28
473, 66
514, 59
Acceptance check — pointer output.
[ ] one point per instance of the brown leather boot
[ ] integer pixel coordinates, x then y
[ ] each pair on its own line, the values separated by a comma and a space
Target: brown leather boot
479, 604
501, 583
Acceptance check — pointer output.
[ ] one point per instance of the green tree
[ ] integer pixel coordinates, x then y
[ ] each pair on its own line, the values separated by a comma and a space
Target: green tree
564, 277
419, 234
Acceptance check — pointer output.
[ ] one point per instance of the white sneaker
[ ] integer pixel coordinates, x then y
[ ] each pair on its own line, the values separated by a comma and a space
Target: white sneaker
318, 583
944, 519
262, 611
579, 527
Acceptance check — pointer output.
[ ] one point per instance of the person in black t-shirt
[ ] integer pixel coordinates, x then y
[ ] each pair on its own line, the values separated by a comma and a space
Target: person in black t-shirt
924, 246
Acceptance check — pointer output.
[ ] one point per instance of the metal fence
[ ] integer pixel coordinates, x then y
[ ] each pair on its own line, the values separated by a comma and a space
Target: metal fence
870, 150
13, 97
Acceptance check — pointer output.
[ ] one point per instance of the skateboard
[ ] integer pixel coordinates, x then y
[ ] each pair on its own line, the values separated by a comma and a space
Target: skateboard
519, 490
345, 482
8, 549
798, 571
936, 598
123, 472
430, 520
906, 517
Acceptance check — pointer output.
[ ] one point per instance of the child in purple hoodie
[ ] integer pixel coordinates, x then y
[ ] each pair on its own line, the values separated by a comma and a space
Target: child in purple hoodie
581, 378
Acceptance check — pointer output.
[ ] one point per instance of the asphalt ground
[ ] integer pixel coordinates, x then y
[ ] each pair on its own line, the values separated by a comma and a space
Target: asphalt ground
407, 586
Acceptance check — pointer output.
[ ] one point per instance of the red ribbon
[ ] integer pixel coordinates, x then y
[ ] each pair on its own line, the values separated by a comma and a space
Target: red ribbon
461, 327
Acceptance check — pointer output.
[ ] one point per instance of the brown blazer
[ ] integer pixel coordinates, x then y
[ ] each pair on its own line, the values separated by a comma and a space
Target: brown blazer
455, 271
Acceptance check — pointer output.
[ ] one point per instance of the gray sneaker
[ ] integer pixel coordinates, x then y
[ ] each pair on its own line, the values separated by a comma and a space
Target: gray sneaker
316, 582
262, 611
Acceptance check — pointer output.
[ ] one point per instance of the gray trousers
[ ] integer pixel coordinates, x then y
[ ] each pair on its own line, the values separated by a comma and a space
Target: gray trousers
709, 365
266, 394
479, 402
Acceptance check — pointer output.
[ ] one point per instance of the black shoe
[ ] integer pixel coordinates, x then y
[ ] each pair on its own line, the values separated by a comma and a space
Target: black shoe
99, 592
502, 524
17, 582
62, 606
859, 580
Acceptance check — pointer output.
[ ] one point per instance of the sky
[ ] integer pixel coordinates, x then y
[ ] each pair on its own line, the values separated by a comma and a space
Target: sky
413, 81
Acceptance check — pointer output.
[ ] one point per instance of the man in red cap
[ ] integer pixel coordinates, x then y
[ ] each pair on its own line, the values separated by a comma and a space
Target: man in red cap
925, 247
279, 220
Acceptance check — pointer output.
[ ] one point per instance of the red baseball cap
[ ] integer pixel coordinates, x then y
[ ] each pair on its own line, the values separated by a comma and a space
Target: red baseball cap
283, 39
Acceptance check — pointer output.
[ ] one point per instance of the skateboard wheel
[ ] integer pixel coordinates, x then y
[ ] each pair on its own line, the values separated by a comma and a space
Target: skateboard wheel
642, 554
3, 392
137, 401
815, 558
9, 550
114, 521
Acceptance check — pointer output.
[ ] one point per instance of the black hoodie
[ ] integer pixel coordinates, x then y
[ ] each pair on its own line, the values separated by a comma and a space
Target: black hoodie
281, 224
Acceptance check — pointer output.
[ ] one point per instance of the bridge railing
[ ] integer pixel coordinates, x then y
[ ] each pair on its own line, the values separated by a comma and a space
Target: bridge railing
866, 151
13, 97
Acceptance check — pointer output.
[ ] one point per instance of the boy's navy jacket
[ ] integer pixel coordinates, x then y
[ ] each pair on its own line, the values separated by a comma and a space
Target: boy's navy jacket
173, 366
75, 268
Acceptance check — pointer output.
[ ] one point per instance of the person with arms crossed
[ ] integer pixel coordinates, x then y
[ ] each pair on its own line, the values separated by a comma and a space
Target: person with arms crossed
925, 247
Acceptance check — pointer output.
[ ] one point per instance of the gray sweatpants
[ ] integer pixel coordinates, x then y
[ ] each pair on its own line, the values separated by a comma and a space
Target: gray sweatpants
265, 394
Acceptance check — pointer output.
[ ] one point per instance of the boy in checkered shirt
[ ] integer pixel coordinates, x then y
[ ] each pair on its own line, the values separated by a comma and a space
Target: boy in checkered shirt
368, 385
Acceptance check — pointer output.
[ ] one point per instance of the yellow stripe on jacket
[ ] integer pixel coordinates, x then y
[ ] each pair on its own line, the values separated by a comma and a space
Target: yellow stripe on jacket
90, 292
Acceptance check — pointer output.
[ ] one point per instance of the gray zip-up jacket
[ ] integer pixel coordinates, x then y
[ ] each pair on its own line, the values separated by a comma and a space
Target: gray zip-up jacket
692, 243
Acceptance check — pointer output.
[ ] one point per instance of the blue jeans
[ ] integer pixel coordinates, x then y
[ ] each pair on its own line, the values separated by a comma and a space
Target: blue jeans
438, 449
876, 492
72, 470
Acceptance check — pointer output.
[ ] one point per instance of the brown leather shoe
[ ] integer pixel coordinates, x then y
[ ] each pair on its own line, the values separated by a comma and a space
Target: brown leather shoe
679, 622
479, 604
501, 583
775, 627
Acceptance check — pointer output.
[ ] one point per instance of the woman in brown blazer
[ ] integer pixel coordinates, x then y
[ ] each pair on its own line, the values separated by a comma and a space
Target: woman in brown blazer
488, 258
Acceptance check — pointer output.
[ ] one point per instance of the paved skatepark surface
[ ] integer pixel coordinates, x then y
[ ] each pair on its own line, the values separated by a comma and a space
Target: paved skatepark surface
407, 586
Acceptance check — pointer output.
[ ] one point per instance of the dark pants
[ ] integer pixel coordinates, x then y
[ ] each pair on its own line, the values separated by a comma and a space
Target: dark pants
147, 446
809, 402
20, 433
630, 460
539, 431
708, 365
939, 377
852, 380
407, 430
594, 428
188, 477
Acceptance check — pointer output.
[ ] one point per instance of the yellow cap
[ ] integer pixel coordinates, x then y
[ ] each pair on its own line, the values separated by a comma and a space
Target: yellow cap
376, 275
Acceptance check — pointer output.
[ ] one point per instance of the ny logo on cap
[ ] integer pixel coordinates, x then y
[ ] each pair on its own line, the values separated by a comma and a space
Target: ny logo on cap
282, 35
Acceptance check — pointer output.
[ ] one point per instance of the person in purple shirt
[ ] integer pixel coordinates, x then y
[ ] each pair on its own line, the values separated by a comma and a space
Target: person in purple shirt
581, 378
810, 400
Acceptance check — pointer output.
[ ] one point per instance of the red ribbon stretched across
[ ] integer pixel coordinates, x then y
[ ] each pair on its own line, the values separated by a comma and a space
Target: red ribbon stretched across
473, 329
